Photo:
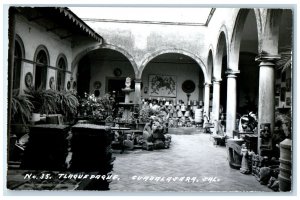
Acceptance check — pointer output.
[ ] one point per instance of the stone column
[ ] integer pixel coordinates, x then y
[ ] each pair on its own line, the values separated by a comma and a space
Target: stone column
231, 102
266, 102
216, 99
137, 92
206, 100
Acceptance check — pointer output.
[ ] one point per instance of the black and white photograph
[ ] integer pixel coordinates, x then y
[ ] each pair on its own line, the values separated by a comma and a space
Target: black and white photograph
114, 98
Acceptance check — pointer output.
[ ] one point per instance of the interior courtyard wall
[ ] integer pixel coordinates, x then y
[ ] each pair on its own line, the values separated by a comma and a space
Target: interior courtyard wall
27, 31
102, 70
142, 40
182, 72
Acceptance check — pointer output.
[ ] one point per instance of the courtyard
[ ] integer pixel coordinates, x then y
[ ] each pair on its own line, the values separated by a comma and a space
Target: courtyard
191, 154
177, 106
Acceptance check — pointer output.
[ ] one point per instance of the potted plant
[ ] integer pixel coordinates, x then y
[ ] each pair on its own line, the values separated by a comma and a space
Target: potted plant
44, 102
67, 104
98, 109
109, 121
21, 108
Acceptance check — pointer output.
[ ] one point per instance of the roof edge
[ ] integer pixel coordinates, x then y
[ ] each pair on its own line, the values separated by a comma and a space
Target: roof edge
81, 24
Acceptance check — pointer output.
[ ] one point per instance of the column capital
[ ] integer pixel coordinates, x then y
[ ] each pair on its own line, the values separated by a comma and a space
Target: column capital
216, 81
207, 84
138, 80
264, 57
232, 73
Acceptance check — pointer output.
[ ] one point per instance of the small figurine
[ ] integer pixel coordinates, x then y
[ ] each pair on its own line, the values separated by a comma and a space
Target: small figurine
244, 166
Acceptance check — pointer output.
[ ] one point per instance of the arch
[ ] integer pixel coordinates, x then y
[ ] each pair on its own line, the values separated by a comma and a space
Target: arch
62, 56
19, 40
39, 49
210, 64
19, 53
105, 46
148, 58
40, 73
236, 37
219, 53
270, 37
62, 64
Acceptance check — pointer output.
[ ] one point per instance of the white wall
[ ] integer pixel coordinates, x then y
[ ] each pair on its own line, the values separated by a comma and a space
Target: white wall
34, 35
182, 72
141, 40
100, 70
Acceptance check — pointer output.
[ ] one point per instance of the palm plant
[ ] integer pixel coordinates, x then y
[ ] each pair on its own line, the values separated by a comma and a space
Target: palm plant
286, 59
44, 101
21, 107
67, 103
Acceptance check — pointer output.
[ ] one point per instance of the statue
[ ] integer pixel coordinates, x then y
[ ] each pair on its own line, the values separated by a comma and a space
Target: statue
128, 83
265, 136
153, 133
244, 166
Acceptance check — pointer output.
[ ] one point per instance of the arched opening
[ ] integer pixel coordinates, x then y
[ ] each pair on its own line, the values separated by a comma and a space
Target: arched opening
223, 87
42, 61
104, 71
210, 68
19, 54
248, 79
62, 66
219, 74
210, 65
180, 75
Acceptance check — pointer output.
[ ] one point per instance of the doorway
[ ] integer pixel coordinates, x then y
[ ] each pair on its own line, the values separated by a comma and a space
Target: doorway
116, 84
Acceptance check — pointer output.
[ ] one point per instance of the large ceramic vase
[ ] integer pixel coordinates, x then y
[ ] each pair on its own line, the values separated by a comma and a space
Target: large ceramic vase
285, 174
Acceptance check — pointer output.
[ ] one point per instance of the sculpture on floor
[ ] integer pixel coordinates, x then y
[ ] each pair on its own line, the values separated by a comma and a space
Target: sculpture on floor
265, 137
154, 135
244, 166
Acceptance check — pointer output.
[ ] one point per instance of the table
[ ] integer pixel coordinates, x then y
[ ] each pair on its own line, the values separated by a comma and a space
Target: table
115, 128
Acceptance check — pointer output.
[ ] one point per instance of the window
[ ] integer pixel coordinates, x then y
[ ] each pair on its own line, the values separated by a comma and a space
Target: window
61, 65
19, 54
42, 61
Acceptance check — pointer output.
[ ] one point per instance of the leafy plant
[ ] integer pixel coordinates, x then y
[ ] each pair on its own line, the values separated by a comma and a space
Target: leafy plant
44, 101
283, 120
286, 59
67, 103
21, 107
98, 107
146, 112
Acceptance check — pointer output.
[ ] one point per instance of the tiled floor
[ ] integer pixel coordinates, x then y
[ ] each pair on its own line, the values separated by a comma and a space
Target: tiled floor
192, 154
